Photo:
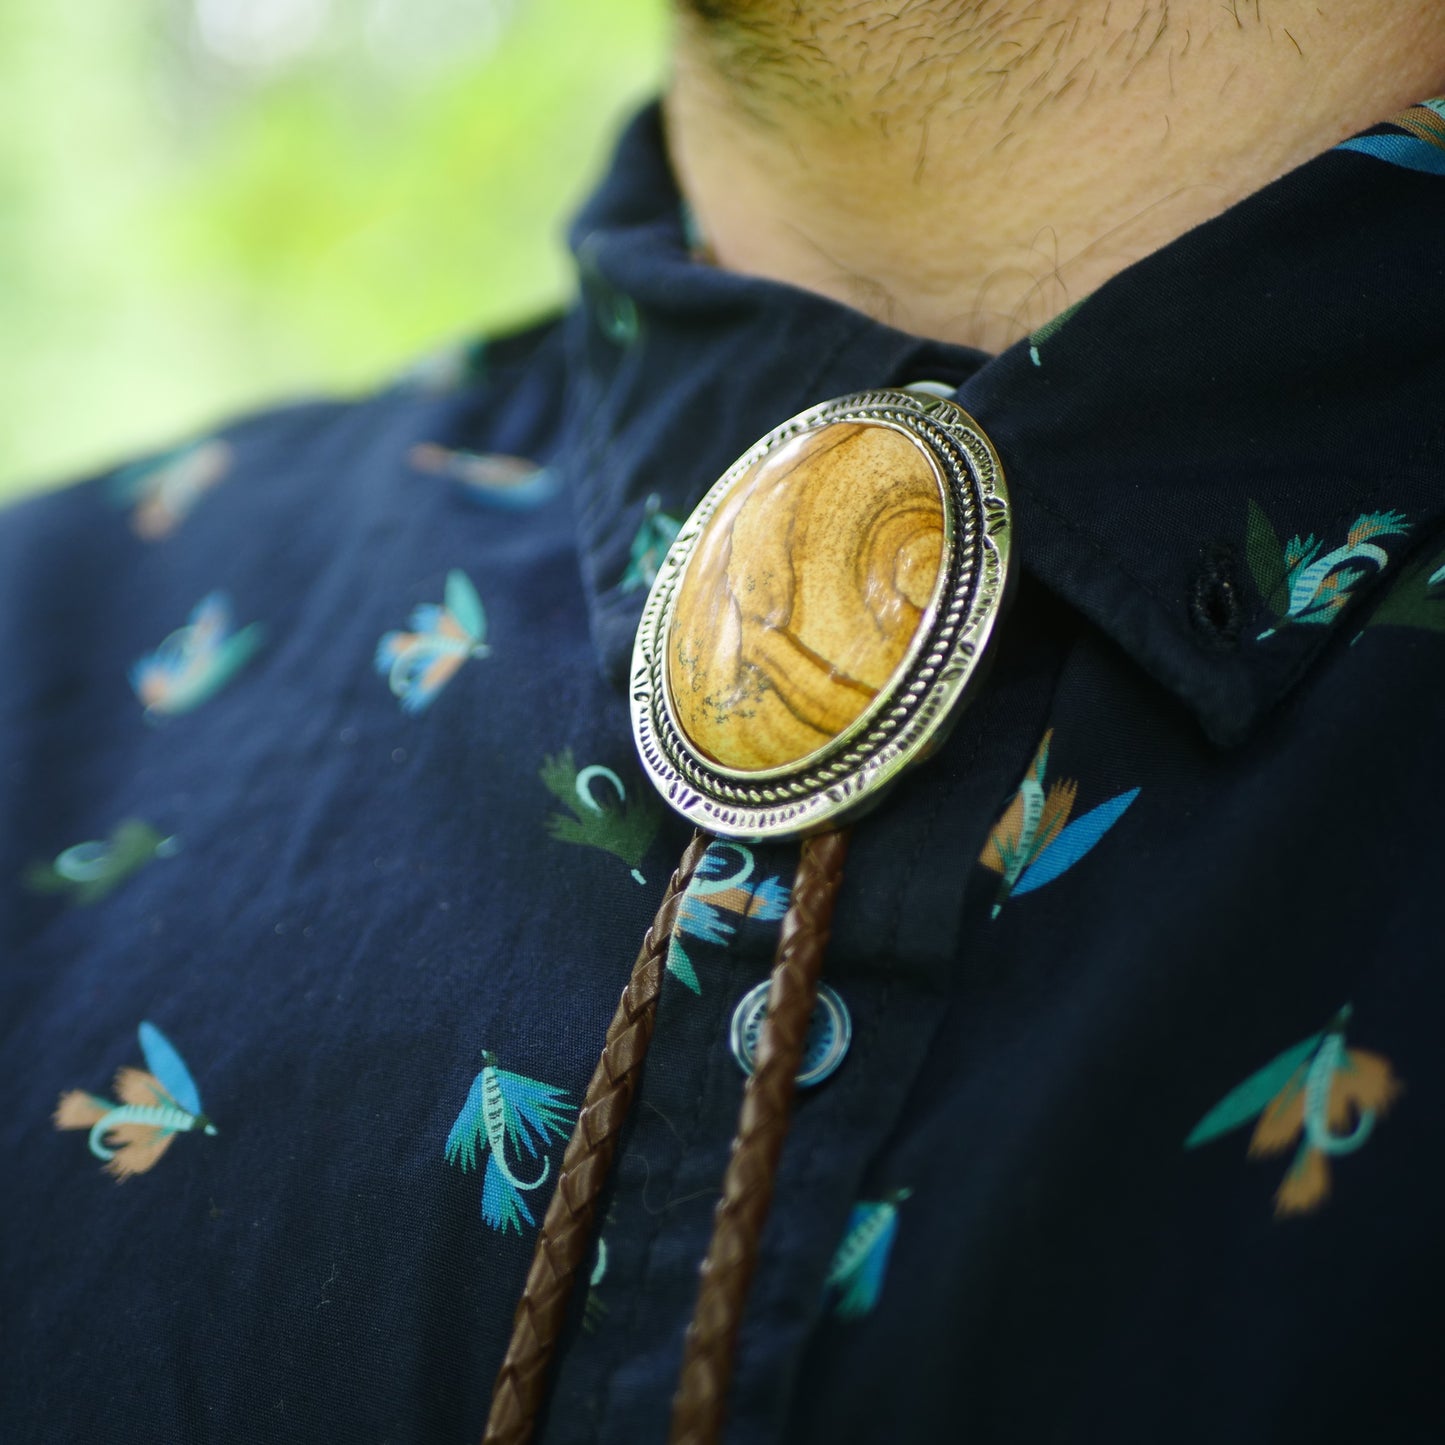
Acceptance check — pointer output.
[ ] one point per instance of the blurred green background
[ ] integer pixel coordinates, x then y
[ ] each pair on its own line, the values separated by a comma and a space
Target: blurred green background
206, 204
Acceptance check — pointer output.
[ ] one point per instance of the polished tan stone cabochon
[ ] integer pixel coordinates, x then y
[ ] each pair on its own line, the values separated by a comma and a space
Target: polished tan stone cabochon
804, 593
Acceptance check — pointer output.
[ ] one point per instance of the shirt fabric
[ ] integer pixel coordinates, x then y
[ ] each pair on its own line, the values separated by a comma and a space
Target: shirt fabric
320, 822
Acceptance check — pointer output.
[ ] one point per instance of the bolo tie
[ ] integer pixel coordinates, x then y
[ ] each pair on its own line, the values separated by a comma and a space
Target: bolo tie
817, 624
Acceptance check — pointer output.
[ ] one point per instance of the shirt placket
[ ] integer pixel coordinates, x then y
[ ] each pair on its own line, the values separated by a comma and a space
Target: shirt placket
894, 959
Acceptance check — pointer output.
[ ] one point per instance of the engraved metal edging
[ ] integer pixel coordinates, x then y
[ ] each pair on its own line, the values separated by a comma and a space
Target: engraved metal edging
847, 776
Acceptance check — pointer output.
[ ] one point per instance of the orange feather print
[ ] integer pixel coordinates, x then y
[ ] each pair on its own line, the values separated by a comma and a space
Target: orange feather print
1424, 122
1364, 1084
135, 1086
1033, 841
1362, 1088
420, 661
1318, 1097
78, 1110
1305, 1187
138, 1148
152, 1105
1282, 1120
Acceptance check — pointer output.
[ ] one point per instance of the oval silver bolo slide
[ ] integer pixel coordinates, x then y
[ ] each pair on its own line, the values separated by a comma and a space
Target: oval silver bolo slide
821, 618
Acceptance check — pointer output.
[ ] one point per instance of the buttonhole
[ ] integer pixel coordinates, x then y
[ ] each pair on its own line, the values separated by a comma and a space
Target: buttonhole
1214, 603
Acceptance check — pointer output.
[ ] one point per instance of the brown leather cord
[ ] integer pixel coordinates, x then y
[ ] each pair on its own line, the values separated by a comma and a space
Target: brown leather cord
727, 1272
566, 1233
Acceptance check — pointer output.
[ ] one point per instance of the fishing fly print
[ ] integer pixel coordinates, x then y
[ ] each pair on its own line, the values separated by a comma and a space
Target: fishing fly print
489, 479
1302, 584
1416, 599
655, 535
1034, 842
508, 1116
860, 1263
131, 1132
1051, 328
196, 661
417, 664
163, 491
594, 1307
724, 890
1416, 142
601, 812
1319, 1098
89, 872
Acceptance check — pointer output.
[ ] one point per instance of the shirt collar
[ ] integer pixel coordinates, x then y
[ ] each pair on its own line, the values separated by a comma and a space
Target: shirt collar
1218, 457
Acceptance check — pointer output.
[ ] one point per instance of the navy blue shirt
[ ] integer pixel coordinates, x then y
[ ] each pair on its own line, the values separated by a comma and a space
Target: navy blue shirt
321, 832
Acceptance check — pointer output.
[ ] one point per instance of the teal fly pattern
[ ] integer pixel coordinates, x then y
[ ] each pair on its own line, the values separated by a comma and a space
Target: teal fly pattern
723, 891
1416, 142
1319, 1098
419, 663
507, 1115
1302, 584
196, 661
1034, 842
654, 536
860, 1263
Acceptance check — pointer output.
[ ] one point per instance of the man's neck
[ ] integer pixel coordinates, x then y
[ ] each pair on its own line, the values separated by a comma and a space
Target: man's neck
965, 169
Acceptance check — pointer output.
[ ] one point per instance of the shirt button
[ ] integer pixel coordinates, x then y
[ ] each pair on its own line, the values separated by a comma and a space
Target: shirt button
829, 1033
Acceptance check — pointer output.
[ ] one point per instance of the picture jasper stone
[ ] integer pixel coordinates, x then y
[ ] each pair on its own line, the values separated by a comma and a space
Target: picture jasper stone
803, 596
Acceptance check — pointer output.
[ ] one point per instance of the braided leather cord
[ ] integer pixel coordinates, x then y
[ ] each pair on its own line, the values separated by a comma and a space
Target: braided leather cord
727, 1272
566, 1233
